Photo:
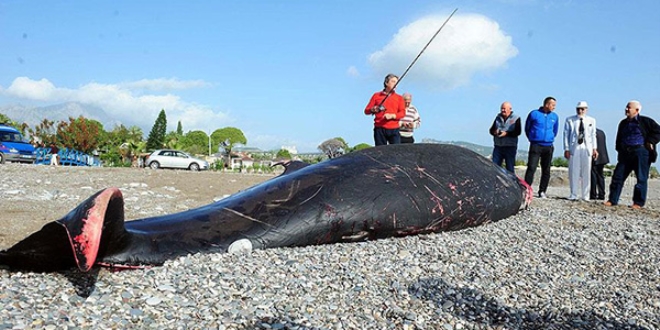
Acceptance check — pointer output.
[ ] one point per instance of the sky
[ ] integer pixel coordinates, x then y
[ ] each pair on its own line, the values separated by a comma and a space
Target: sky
299, 72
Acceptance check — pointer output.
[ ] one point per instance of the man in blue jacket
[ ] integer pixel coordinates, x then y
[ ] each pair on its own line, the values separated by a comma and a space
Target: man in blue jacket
541, 128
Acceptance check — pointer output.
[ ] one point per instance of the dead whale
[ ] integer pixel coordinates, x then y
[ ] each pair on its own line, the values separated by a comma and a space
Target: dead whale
374, 193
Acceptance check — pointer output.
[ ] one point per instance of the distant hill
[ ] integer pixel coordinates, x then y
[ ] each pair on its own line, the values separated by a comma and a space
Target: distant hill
59, 112
482, 150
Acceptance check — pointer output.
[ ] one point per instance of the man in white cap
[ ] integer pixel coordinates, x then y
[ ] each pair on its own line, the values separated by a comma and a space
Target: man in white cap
580, 147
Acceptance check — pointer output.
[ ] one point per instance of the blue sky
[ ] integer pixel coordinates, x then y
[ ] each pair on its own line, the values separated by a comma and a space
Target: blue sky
299, 72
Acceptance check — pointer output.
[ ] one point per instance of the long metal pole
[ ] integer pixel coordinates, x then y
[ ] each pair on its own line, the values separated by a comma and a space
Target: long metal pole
380, 106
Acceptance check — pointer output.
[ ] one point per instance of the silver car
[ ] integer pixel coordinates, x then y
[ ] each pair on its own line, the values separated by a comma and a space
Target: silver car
168, 158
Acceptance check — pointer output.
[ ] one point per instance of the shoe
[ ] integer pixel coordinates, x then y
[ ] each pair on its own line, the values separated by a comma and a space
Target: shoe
543, 195
572, 198
635, 207
608, 203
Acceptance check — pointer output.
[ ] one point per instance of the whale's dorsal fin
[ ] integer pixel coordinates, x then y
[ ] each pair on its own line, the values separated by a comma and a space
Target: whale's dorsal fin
291, 166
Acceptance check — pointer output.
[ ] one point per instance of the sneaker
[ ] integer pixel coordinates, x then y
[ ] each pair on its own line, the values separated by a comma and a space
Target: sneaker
543, 195
572, 198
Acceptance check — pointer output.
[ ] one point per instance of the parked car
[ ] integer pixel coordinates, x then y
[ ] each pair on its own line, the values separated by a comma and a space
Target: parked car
14, 147
168, 158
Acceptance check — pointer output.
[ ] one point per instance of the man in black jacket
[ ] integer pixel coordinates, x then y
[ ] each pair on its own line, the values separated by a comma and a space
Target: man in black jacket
597, 167
636, 140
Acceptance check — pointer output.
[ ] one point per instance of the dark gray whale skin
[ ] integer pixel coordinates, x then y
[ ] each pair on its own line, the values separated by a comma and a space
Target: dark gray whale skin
374, 193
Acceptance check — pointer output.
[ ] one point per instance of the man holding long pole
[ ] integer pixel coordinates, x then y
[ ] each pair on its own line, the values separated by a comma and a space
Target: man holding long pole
388, 108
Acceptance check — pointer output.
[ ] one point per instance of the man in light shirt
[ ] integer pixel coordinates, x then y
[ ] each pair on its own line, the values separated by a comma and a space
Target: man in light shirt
410, 121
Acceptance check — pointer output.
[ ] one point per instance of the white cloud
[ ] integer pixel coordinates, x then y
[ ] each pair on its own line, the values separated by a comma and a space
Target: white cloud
39, 90
467, 45
126, 105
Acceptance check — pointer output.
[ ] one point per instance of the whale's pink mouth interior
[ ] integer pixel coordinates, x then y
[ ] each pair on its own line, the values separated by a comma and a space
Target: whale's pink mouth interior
86, 244
528, 194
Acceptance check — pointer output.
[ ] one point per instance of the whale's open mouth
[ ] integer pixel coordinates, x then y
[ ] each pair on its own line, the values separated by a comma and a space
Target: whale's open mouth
527, 192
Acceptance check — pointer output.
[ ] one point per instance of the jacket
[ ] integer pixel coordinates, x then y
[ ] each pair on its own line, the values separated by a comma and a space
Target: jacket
509, 125
650, 130
603, 158
393, 104
541, 127
571, 132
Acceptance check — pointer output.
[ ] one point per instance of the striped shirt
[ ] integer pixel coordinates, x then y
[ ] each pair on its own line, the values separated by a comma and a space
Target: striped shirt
412, 116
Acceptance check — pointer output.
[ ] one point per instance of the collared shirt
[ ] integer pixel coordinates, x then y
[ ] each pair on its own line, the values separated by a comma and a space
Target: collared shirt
632, 133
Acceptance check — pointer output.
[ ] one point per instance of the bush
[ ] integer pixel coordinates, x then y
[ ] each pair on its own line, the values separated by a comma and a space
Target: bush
559, 162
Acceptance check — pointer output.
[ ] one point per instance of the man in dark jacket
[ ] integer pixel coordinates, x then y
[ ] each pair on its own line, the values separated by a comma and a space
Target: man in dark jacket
505, 130
636, 140
597, 167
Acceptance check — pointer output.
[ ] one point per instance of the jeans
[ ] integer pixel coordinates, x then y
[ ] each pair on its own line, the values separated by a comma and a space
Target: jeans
383, 136
632, 159
505, 154
544, 153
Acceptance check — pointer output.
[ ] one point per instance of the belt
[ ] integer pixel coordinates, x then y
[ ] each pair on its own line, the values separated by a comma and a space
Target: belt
633, 148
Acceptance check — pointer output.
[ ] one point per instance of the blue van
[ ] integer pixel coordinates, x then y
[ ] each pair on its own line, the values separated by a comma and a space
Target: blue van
13, 146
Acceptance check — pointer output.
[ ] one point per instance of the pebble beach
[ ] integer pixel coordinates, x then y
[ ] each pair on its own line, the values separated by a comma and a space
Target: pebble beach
557, 265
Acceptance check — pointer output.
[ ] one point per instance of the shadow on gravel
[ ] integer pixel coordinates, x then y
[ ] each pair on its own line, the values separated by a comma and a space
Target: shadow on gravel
473, 306
84, 283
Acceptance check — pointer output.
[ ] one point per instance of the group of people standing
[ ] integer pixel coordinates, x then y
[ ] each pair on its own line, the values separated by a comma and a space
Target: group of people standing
584, 147
395, 118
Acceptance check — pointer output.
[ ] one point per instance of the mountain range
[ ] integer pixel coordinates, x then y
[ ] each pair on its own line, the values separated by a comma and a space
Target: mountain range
58, 112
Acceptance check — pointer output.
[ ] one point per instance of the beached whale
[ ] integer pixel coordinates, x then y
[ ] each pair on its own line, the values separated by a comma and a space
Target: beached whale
378, 192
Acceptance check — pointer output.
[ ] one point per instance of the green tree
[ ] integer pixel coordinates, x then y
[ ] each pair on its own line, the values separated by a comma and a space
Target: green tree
45, 131
173, 140
227, 138
360, 146
195, 142
333, 147
80, 133
179, 129
156, 139
6, 120
283, 153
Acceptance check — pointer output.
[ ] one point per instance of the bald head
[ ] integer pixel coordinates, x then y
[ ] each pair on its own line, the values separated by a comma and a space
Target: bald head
505, 109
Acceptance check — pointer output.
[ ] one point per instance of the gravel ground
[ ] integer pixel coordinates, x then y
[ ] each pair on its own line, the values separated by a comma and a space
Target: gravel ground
557, 265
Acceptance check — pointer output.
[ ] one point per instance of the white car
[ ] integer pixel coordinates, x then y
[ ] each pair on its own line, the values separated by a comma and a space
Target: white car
168, 158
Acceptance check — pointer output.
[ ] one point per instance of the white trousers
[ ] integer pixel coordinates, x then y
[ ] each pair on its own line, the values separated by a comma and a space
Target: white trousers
579, 172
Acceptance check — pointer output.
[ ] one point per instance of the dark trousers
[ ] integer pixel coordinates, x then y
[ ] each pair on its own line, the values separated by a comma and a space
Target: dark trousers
407, 139
597, 181
633, 159
384, 136
544, 153
507, 155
